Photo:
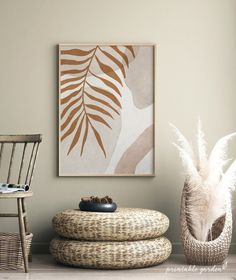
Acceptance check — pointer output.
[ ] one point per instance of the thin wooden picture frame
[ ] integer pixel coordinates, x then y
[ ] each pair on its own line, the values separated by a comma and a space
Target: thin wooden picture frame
154, 73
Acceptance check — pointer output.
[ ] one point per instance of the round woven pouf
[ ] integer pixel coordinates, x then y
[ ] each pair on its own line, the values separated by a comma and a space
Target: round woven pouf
111, 255
124, 224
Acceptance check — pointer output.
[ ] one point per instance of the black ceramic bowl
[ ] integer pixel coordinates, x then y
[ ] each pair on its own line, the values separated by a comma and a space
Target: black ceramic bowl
97, 207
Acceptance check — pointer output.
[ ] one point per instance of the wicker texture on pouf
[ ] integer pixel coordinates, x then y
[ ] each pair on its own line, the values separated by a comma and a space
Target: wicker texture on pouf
11, 252
111, 255
124, 224
210, 252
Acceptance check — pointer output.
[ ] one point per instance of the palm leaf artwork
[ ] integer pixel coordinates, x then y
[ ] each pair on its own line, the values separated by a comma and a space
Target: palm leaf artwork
91, 91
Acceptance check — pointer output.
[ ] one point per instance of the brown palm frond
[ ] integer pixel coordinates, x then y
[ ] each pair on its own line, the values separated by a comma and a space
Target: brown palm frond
99, 109
91, 91
71, 128
122, 54
107, 83
70, 80
98, 119
73, 71
85, 134
108, 70
99, 140
73, 86
69, 106
70, 96
131, 50
116, 61
102, 102
77, 135
77, 52
70, 117
74, 62
106, 93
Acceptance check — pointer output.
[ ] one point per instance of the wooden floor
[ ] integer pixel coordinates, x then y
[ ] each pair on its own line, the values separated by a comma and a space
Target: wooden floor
43, 267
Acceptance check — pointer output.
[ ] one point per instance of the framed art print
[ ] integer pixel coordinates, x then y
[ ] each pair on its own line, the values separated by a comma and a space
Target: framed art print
106, 109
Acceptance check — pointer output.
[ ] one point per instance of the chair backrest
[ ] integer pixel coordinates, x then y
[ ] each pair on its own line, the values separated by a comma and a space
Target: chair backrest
19, 151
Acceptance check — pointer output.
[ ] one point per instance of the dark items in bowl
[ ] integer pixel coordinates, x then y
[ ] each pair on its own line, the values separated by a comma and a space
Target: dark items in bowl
96, 204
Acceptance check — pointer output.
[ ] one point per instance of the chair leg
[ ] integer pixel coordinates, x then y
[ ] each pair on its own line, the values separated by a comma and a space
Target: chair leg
26, 223
22, 232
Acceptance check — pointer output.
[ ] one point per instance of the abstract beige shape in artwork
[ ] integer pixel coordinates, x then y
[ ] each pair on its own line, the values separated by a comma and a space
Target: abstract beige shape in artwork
143, 60
136, 152
92, 95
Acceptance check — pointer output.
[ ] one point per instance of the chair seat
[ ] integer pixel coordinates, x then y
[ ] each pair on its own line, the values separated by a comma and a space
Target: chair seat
15, 195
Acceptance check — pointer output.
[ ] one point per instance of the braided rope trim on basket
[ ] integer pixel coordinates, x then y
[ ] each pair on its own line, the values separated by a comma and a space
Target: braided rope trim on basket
211, 252
124, 224
111, 255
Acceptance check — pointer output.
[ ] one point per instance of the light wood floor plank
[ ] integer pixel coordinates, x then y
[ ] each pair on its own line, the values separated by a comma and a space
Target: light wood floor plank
44, 267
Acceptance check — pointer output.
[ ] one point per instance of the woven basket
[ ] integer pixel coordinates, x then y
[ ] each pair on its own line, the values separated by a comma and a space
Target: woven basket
110, 255
124, 224
10, 250
210, 252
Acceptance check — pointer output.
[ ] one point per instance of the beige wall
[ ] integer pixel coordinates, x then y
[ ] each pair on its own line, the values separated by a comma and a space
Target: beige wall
195, 76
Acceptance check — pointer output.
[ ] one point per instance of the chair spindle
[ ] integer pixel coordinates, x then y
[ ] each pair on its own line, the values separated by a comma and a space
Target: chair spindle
32, 170
30, 163
22, 162
1, 152
11, 161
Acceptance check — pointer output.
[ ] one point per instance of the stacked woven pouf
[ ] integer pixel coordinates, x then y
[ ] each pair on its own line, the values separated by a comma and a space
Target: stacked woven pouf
127, 238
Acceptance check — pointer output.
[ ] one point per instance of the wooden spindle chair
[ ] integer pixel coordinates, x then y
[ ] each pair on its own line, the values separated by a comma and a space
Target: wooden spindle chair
27, 158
